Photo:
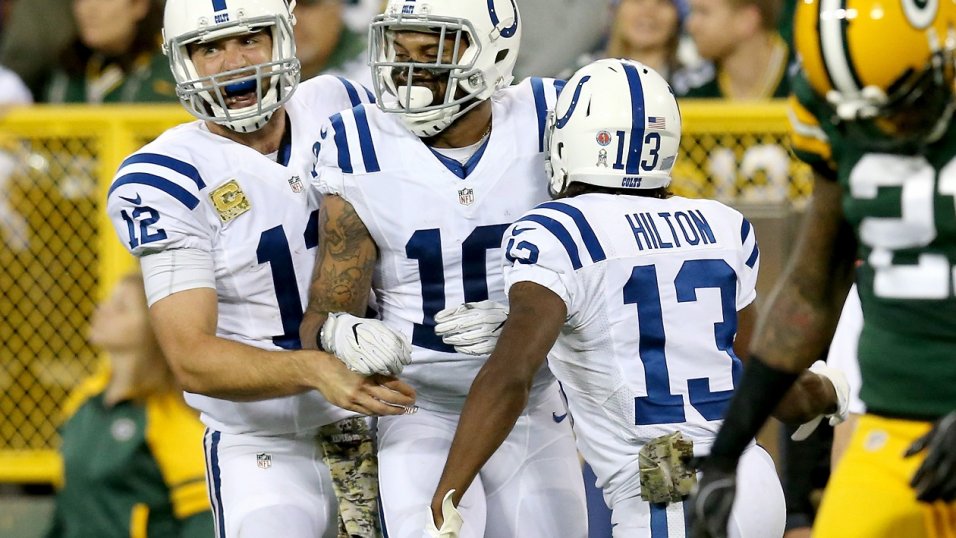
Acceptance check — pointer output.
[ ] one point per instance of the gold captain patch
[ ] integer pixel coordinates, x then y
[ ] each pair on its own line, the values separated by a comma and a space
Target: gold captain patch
230, 201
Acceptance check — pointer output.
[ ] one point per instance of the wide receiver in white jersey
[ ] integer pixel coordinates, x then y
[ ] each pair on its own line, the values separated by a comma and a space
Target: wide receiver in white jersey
419, 192
638, 292
219, 213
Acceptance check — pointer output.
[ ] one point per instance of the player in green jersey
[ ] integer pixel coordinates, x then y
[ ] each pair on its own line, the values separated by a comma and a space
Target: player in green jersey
871, 112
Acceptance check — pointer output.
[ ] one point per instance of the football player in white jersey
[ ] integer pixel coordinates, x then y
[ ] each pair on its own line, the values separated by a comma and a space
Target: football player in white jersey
638, 292
419, 191
219, 214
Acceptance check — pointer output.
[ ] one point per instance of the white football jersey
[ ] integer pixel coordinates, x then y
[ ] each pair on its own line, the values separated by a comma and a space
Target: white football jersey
652, 289
438, 223
258, 217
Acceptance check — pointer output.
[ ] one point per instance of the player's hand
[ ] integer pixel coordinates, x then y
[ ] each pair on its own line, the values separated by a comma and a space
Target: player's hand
367, 395
842, 388
935, 479
473, 328
451, 520
711, 502
366, 346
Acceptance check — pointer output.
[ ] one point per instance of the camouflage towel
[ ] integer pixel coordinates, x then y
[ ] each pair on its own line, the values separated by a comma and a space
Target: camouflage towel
349, 451
666, 475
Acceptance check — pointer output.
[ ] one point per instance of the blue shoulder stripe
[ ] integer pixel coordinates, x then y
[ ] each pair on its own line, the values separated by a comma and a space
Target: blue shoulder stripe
744, 230
559, 86
752, 260
371, 96
350, 89
595, 251
342, 143
161, 183
365, 140
541, 107
558, 230
166, 161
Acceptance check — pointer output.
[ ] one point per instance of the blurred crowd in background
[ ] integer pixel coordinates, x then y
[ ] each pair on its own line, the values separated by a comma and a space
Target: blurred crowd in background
110, 51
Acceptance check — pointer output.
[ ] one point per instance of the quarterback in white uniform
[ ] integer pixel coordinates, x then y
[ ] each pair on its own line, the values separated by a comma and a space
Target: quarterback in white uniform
638, 292
420, 192
220, 214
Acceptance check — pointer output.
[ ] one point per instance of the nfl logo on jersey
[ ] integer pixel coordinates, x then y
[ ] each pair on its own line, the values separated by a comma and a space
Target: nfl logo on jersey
466, 196
296, 184
264, 460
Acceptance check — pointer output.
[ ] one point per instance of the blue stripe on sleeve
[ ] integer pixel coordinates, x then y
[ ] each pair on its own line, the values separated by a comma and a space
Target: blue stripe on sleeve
595, 251
752, 260
637, 119
371, 96
166, 161
365, 140
350, 89
744, 230
558, 230
541, 107
342, 143
161, 183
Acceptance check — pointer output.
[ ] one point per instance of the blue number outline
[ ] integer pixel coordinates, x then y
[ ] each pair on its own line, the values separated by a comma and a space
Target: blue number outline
660, 406
425, 246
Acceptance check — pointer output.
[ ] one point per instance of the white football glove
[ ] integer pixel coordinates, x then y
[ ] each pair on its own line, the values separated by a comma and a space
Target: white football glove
473, 328
451, 526
366, 346
842, 388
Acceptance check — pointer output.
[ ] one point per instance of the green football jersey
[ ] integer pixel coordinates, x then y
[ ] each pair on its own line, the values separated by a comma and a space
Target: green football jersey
903, 210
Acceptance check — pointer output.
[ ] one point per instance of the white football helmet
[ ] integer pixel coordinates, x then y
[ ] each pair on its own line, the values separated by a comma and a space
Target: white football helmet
616, 124
201, 21
486, 36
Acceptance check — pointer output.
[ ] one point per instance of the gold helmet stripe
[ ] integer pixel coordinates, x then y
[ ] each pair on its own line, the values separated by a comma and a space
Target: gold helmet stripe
839, 67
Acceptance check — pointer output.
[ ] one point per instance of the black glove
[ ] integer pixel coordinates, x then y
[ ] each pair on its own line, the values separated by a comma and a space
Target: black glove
712, 501
935, 479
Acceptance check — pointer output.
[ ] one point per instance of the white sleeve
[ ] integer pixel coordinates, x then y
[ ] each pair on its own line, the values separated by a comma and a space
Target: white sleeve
750, 265
843, 348
154, 204
174, 270
533, 254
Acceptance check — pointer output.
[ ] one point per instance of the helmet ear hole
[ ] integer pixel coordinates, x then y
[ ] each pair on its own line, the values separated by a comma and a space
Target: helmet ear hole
560, 149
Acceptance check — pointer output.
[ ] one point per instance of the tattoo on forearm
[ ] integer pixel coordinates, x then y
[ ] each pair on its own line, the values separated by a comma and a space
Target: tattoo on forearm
345, 264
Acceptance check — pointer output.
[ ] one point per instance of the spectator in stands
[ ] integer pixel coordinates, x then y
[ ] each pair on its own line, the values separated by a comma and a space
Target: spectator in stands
115, 56
740, 37
28, 47
325, 44
648, 31
132, 450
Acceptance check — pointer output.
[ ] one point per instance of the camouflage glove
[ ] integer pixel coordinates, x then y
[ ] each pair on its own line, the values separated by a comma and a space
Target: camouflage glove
348, 450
